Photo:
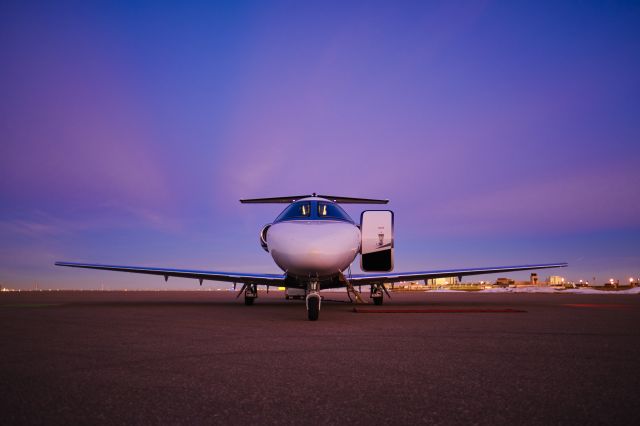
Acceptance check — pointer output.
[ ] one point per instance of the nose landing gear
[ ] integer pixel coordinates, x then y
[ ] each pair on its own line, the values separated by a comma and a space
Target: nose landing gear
313, 306
313, 300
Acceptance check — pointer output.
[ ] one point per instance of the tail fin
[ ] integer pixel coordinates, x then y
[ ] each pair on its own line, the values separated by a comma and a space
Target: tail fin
293, 198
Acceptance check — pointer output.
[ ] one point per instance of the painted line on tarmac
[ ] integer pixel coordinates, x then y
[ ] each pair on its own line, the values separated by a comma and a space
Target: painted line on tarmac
438, 311
597, 305
29, 305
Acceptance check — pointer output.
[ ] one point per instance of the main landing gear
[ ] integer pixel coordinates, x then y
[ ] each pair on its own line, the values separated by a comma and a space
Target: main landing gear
377, 293
313, 300
250, 294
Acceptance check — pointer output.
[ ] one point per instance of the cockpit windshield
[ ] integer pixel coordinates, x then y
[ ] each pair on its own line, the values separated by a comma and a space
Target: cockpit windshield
332, 211
300, 210
313, 210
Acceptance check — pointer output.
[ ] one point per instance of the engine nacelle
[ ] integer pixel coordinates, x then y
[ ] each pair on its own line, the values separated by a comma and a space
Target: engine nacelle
263, 238
376, 248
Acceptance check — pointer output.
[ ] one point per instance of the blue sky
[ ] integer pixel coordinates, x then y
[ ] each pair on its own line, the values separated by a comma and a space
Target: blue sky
502, 132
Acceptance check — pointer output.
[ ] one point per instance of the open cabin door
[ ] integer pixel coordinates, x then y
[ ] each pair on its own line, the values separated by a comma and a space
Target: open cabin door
376, 227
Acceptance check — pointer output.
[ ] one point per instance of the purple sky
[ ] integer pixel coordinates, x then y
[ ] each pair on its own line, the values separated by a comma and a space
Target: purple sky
502, 133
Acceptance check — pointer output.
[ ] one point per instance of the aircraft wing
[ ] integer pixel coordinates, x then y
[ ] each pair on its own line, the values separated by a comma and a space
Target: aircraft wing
362, 279
263, 279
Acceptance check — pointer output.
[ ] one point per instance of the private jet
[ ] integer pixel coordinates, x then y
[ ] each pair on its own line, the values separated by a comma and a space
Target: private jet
314, 242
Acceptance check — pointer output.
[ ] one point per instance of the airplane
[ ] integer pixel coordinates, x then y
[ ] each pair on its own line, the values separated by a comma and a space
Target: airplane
314, 242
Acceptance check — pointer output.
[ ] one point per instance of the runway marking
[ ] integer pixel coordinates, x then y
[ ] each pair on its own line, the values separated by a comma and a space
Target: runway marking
597, 305
438, 311
30, 305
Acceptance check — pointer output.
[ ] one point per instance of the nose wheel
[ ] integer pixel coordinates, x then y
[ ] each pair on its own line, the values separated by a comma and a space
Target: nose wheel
313, 301
313, 307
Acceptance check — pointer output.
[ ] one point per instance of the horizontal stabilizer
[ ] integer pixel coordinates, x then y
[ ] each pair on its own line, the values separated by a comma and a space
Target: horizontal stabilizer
351, 200
274, 200
293, 198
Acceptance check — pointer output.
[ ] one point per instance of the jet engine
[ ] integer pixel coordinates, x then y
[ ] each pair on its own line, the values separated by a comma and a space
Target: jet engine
263, 238
376, 248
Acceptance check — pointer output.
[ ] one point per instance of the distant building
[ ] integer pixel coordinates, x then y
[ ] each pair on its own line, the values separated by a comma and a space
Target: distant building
555, 280
534, 278
406, 285
439, 282
504, 282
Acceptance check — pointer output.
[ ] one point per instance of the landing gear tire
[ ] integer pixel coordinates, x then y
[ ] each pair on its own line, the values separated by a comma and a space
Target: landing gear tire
376, 294
313, 308
250, 294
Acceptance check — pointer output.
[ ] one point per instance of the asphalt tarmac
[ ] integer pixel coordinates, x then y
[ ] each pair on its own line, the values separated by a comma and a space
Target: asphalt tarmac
204, 357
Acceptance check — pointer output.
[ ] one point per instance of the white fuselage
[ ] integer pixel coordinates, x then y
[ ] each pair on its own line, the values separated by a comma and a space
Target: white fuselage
313, 248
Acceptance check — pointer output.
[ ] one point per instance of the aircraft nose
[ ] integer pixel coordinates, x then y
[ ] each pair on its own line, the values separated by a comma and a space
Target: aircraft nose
313, 247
